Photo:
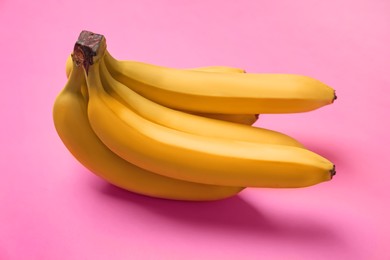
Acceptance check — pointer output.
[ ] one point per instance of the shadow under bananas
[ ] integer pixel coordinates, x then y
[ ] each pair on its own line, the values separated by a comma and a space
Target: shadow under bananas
229, 216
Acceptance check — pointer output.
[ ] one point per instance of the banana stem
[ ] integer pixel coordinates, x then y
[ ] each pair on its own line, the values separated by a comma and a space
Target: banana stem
88, 47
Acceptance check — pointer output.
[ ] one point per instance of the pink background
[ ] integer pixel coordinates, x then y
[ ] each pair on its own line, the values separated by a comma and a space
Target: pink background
53, 208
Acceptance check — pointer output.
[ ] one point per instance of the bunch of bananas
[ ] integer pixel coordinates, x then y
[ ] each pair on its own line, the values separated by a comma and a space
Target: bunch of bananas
184, 134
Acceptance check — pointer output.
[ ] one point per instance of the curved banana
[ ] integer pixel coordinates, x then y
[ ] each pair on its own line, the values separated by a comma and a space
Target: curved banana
247, 119
225, 93
187, 122
71, 122
189, 157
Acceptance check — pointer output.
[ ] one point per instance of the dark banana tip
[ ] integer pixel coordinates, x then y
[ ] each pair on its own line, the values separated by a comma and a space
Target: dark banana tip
333, 171
335, 97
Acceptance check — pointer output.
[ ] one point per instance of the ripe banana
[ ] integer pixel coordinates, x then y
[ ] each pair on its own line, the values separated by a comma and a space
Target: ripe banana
189, 157
246, 119
187, 122
72, 125
225, 93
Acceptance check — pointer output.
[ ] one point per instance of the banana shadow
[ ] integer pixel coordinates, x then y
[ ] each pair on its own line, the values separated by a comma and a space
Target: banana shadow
230, 216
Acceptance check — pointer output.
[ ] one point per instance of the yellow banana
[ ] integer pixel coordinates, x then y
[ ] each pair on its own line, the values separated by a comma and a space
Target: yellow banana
202, 159
225, 93
187, 122
71, 122
247, 119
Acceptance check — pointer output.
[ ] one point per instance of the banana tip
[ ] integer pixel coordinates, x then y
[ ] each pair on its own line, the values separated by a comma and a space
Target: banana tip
333, 171
334, 97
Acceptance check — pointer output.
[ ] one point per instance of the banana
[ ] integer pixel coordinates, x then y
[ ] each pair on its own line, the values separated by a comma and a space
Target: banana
187, 122
196, 158
224, 93
246, 119
72, 125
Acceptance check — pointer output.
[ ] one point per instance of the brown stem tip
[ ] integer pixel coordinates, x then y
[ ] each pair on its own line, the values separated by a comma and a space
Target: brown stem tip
333, 171
85, 48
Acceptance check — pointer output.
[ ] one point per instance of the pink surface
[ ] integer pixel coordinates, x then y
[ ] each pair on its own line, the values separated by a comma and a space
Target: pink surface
53, 208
